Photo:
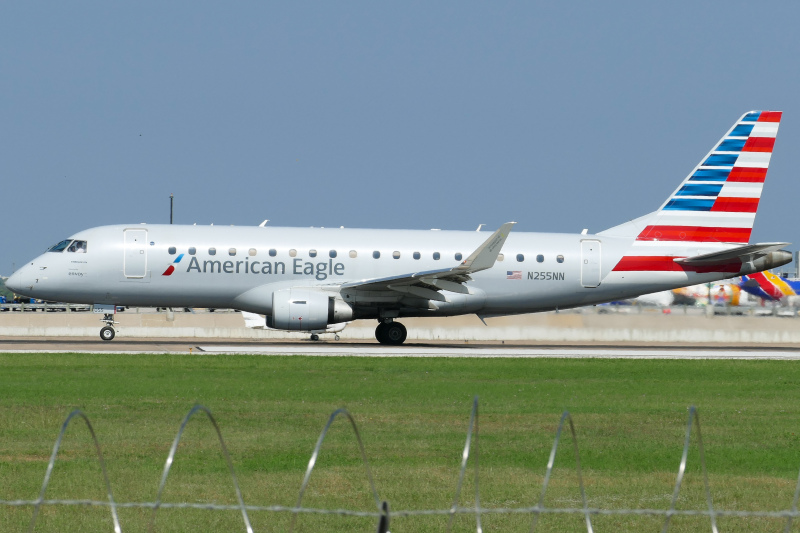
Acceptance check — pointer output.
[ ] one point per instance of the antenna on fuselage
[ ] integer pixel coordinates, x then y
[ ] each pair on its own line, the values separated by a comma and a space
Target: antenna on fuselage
263, 223
480, 226
171, 197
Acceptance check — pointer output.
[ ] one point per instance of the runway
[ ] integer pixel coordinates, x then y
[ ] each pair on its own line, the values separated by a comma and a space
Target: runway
573, 352
371, 349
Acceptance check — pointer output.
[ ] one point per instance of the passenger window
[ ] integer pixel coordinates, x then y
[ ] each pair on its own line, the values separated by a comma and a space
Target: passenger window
212, 251
540, 258
560, 258
396, 254
232, 251
292, 253
436, 256
78, 247
312, 253
273, 252
353, 254
252, 252
192, 250
500, 257
332, 254
520, 258
458, 257
60, 247
172, 250
416, 255
376, 254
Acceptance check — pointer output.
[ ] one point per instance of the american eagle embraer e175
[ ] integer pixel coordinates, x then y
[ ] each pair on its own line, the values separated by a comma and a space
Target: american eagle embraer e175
305, 279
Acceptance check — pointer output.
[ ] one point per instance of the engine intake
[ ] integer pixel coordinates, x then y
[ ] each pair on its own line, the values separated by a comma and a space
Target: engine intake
304, 309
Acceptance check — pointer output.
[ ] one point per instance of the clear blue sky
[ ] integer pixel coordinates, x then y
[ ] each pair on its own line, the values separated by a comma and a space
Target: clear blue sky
558, 115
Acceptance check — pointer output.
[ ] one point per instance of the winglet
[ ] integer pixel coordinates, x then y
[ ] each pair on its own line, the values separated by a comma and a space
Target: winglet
486, 254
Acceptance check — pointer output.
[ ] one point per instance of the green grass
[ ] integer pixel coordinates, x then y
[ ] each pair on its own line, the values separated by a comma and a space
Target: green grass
630, 418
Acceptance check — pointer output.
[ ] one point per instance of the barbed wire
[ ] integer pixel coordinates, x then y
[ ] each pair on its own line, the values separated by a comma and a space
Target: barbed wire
382, 512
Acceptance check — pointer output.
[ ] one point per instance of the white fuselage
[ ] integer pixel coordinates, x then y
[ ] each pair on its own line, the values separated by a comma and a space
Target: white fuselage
241, 267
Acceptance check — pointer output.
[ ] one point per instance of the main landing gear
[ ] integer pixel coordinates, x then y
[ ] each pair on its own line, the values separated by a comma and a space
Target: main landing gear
108, 332
391, 332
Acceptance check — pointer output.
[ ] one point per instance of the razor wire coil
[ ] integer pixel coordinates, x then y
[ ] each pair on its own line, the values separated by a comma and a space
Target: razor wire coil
382, 513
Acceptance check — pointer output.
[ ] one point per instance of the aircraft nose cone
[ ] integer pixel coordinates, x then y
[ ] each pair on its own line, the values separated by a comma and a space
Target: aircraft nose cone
21, 281
13, 282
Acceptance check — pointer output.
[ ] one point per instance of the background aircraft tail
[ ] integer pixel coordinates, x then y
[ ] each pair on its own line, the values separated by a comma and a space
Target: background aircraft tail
768, 286
717, 201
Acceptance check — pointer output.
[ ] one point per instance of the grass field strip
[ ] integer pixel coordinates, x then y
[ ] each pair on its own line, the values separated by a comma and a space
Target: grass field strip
382, 514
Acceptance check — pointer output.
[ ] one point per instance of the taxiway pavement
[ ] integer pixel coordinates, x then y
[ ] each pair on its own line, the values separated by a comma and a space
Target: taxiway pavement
372, 349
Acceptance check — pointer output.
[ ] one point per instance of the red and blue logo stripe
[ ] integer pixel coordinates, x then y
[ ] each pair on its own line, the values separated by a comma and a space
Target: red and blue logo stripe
170, 269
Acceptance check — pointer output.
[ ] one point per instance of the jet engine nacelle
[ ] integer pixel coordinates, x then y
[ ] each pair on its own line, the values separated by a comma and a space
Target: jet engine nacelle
305, 309
765, 262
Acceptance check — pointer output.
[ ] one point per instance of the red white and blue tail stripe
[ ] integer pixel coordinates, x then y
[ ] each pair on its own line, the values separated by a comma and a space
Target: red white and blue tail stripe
717, 202
714, 207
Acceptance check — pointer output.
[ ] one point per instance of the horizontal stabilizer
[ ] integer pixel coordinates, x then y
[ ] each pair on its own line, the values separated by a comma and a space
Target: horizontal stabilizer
745, 253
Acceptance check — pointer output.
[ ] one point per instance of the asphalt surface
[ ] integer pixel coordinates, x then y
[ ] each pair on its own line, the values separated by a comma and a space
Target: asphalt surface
410, 349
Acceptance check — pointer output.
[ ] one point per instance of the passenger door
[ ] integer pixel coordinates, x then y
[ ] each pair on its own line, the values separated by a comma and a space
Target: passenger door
590, 263
135, 259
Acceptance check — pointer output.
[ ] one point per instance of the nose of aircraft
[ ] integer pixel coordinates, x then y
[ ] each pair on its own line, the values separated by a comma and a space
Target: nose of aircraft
22, 280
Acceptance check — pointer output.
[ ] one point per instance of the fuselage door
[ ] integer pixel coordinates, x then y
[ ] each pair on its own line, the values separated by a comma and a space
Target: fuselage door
135, 260
590, 263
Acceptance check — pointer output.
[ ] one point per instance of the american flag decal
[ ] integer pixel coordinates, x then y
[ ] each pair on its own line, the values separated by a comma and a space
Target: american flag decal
513, 274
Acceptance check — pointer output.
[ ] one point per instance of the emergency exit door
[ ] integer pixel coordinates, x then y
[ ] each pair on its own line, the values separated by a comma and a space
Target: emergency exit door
590, 263
135, 259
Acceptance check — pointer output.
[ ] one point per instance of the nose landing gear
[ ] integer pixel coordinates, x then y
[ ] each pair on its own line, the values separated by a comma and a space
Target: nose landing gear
392, 333
108, 332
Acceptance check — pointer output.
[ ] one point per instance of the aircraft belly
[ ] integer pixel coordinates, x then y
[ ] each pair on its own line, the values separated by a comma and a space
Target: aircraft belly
621, 285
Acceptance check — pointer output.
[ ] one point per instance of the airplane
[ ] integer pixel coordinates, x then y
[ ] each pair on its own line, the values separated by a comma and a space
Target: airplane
768, 286
306, 279
718, 293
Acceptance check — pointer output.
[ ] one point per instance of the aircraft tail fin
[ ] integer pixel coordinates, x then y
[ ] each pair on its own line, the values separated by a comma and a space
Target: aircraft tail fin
768, 286
718, 200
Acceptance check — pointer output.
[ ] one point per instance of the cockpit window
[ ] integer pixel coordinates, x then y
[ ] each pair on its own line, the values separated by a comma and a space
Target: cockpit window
60, 247
77, 247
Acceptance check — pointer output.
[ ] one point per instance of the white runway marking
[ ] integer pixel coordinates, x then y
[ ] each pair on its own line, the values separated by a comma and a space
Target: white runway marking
506, 352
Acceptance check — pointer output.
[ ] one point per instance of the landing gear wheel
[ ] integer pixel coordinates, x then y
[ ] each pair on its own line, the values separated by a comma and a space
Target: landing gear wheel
314, 337
380, 333
107, 333
396, 333
393, 333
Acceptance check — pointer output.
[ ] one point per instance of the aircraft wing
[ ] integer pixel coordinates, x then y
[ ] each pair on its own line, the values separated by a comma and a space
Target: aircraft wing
746, 253
427, 284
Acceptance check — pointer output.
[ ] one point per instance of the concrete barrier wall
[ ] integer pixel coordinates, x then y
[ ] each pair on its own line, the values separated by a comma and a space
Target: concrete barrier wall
544, 327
